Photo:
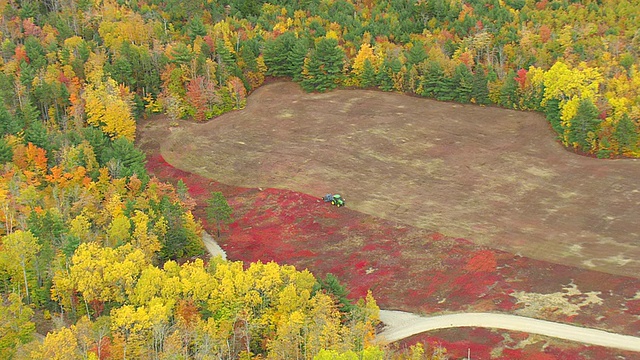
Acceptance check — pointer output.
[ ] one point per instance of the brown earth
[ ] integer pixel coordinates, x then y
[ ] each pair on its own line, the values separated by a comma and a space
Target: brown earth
496, 177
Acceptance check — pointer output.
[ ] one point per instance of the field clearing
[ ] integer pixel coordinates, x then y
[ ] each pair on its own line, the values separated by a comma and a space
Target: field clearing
274, 179
495, 177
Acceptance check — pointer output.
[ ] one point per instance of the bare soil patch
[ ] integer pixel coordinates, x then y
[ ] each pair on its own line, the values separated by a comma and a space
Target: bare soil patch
493, 176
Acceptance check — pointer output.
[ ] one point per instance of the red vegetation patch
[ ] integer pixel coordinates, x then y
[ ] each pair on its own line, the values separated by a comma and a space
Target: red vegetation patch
485, 260
405, 267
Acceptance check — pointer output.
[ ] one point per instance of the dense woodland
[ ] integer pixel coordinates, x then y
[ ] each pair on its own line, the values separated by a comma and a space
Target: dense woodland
90, 240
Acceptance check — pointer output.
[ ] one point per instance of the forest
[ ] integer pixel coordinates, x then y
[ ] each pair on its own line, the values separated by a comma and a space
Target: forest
90, 240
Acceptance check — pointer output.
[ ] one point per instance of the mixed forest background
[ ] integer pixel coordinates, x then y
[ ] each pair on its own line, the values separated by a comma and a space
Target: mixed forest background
89, 238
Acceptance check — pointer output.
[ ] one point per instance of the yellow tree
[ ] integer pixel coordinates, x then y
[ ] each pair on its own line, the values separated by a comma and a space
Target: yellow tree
107, 104
143, 238
365, 66
570, 87
58, 345
17, 254
131, 326
15, 325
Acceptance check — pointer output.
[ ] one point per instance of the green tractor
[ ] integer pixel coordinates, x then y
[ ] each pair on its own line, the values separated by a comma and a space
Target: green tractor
334, 199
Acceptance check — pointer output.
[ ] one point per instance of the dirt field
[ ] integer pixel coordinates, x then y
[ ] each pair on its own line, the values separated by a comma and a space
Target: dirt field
493, 176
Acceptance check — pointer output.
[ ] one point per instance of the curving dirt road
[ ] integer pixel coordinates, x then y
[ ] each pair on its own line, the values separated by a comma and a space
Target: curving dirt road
400, 325
212, 246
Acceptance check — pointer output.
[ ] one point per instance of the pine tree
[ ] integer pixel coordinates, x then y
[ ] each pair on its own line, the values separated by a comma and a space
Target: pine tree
36, 134
509, 91
218, 210
9, 124
128, 160
368, 78
295, 59
323, 68
463, 78
6, 153
584, 125
430, 79
416, 54
332, 286
480, 90
197, 28
277, 54
552, 112
626, 134
383, 78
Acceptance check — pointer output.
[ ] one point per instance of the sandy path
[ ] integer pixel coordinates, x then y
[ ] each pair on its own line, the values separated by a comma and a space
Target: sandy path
400, 325
212, 246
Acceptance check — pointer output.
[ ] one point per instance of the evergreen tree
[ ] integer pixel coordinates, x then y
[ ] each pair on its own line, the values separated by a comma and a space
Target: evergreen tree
463, 78
124, 159
480, 90
332, 286
295, 59
218, 210
416, 54
584, 125
227, 64
180, 54
29, 113
509, 91
277, 52
445, 88
36, 134
6, 153
431, 78
9, 124
383, 78
368, 77
626, 134
323, 68
196, 28
99, 141
552, 112
179, 241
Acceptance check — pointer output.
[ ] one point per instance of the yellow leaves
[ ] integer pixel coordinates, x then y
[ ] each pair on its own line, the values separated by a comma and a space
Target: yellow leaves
80, 227
196, 282
62, 289
103, 274
569, 110
149, 286
535, 76
142, 238
283, 25
73, 42
119, 230
564, 83
58, 345
108, 105
123, 274
332, 34
365, 53
87, 271
265, 301
151, 105
128, 319
17, 252
131, 28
